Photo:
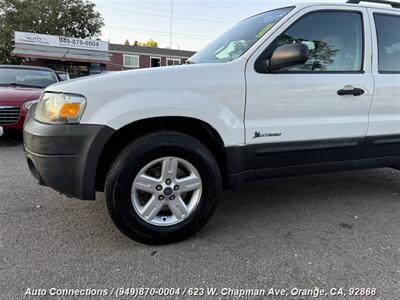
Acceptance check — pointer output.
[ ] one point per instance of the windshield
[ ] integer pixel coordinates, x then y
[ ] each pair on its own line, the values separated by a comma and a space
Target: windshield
26, 77
235, 42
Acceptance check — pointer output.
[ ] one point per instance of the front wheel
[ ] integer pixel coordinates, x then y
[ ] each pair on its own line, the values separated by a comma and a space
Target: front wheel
162, 188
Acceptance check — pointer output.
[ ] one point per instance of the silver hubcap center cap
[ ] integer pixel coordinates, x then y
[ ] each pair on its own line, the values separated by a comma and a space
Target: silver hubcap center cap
168, 191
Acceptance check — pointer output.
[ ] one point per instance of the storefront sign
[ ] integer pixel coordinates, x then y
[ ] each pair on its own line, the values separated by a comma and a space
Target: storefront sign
59, 41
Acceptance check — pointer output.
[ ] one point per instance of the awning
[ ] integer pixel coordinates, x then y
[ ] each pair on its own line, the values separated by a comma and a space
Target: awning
62, 54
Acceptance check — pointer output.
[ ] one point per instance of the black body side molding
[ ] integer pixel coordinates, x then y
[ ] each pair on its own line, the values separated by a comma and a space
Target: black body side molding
262, 161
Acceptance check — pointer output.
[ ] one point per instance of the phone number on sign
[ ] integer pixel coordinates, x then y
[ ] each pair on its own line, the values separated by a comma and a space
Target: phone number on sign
230, 292
79, 42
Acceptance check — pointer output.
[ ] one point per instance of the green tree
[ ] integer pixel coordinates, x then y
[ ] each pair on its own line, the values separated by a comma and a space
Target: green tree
127, 42
150, 43
74, 18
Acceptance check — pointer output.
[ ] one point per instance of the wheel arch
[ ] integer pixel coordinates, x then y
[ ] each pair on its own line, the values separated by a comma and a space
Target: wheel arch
196, 128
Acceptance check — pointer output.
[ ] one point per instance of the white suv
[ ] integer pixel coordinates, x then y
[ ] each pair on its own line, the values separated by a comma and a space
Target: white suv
301, 89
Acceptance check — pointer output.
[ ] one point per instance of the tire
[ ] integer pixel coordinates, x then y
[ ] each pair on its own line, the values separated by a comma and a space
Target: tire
126, 169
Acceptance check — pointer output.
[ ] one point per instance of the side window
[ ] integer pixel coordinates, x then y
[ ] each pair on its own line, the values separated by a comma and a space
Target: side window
335, 40
388, 31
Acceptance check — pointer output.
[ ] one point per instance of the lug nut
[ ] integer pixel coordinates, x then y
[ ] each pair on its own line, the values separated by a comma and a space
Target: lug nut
172, 198
158, 187
168, 181
161, 198
176, 187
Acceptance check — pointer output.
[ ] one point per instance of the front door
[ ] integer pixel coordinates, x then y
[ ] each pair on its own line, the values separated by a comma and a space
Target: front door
316, 112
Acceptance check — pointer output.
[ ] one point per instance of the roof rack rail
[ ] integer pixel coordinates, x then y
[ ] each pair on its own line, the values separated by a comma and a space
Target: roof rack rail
392, 3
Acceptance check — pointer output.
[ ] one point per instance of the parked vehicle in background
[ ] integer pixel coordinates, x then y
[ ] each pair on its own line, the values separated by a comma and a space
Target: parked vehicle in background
297, 90
20, 87
63, 76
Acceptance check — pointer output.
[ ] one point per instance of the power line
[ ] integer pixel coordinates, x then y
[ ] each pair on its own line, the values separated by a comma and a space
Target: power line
175, 12
161, 16
189, 35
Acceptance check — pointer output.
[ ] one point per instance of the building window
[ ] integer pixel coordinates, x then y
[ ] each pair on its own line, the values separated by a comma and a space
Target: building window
173, 61
155, 62
131, 61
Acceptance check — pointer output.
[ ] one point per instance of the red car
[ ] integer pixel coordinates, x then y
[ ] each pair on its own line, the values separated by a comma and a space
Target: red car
20, 87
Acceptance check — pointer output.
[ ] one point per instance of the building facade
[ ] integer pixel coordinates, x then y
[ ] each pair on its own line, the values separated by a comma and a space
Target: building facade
83, 57
125, 57
78, 57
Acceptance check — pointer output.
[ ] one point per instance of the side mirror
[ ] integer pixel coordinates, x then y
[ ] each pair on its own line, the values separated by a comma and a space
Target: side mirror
289, 55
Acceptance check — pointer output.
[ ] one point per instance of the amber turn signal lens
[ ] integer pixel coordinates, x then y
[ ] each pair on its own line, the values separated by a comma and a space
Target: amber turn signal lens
70, 110
57, 108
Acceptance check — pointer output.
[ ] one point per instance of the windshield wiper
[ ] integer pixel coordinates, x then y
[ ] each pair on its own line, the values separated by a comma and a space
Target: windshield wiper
22, 85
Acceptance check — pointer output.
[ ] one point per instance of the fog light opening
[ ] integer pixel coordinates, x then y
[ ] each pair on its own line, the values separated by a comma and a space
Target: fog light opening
33, 170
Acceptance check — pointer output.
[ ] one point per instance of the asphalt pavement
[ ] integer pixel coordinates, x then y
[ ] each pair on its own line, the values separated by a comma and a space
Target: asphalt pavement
321, 231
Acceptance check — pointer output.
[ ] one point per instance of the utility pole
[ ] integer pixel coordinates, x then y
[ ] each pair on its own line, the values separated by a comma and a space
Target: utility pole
170, 28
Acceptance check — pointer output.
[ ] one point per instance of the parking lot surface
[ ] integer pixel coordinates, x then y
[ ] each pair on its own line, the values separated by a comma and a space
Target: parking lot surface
326, 231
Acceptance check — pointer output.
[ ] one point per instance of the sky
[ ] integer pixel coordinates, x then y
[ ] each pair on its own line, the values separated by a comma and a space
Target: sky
194, 24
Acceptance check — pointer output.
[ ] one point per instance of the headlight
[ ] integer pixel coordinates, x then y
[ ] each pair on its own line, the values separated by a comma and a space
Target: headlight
27, 105
60, 108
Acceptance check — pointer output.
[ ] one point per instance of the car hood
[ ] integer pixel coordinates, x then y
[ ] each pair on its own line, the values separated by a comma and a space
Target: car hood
183, 76
132, 78
19, 95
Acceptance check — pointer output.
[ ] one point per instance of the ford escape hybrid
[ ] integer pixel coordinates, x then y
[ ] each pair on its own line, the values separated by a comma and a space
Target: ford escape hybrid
301, 89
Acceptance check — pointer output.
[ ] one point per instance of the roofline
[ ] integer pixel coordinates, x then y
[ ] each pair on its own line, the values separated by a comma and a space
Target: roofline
25, 67
149, 54
393, 4
301, 5
130, 48
360, 5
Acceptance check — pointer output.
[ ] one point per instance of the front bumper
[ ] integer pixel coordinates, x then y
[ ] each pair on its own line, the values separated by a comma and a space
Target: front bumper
65, 157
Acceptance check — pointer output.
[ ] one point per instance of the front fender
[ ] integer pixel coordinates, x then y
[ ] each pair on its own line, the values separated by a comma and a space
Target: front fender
180, 103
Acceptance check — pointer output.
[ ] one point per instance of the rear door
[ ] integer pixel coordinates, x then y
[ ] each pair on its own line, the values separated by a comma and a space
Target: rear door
296, 116
383, 137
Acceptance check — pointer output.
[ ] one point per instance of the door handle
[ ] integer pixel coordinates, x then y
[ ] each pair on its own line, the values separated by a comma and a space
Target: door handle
354, 92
